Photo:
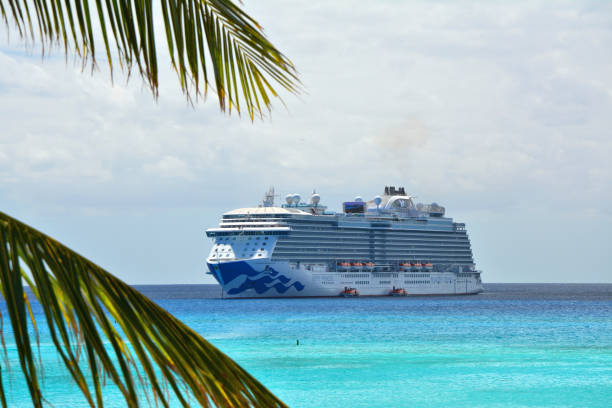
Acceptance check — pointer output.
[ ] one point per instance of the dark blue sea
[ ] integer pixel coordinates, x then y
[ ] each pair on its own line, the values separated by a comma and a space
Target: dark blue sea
515, 345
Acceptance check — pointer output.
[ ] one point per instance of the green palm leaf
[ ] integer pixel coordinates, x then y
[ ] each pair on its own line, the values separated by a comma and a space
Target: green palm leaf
86, 307
209, 41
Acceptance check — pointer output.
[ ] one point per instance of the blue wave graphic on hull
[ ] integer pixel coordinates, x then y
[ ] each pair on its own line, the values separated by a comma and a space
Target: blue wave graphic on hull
261, 285
232, 270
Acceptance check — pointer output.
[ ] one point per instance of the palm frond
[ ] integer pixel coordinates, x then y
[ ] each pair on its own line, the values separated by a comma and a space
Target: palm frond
205, 38
86, 307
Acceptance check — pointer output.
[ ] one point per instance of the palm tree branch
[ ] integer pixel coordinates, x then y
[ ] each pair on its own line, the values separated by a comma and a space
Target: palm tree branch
12, 290
83, 304
208, 40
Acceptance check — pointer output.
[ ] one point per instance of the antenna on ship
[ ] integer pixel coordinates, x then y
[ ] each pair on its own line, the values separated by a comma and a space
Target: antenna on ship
268, 200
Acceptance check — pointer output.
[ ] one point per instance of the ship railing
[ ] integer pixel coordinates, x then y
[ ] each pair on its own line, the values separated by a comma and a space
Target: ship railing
251, 225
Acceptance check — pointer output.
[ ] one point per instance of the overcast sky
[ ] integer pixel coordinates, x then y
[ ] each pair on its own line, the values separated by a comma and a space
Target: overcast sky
501, 111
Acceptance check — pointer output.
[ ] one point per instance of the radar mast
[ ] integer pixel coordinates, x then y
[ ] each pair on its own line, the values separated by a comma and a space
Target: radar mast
268, 200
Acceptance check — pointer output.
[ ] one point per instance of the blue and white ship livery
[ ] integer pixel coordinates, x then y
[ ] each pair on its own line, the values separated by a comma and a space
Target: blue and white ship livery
389, 245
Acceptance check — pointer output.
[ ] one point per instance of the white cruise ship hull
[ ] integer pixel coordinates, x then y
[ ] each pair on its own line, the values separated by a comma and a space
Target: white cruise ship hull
266, 279
387, 246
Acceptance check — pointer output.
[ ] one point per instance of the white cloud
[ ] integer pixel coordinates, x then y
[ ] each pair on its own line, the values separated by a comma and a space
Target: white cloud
169, 167
451, 97
488, 106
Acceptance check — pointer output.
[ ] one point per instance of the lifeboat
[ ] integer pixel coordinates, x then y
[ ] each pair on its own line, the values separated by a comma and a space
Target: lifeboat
344, 266
398, 292
404, 266
416, 265
356, 265
428, 266
349, 292
368, 265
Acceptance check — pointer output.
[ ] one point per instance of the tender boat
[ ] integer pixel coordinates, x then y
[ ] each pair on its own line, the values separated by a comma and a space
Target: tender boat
398, 292
349, 292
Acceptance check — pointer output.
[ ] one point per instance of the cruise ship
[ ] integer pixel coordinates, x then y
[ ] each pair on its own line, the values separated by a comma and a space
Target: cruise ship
388, 246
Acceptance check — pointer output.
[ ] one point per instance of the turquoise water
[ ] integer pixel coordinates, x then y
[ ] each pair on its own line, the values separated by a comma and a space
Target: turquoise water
513, 346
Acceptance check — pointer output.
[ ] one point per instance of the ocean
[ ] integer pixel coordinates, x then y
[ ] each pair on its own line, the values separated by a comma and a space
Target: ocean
515, 345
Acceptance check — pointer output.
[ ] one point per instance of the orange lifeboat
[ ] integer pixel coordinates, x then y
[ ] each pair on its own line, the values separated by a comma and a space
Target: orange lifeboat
349, 292
428, 265
404, 265
416, 265
398, 292
344, 265
369, 265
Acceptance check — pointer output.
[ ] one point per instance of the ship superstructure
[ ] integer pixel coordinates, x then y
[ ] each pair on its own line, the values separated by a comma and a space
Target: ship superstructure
387, 246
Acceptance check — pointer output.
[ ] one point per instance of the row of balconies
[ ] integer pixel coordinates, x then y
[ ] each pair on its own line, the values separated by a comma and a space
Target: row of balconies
368, 235
367, 245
